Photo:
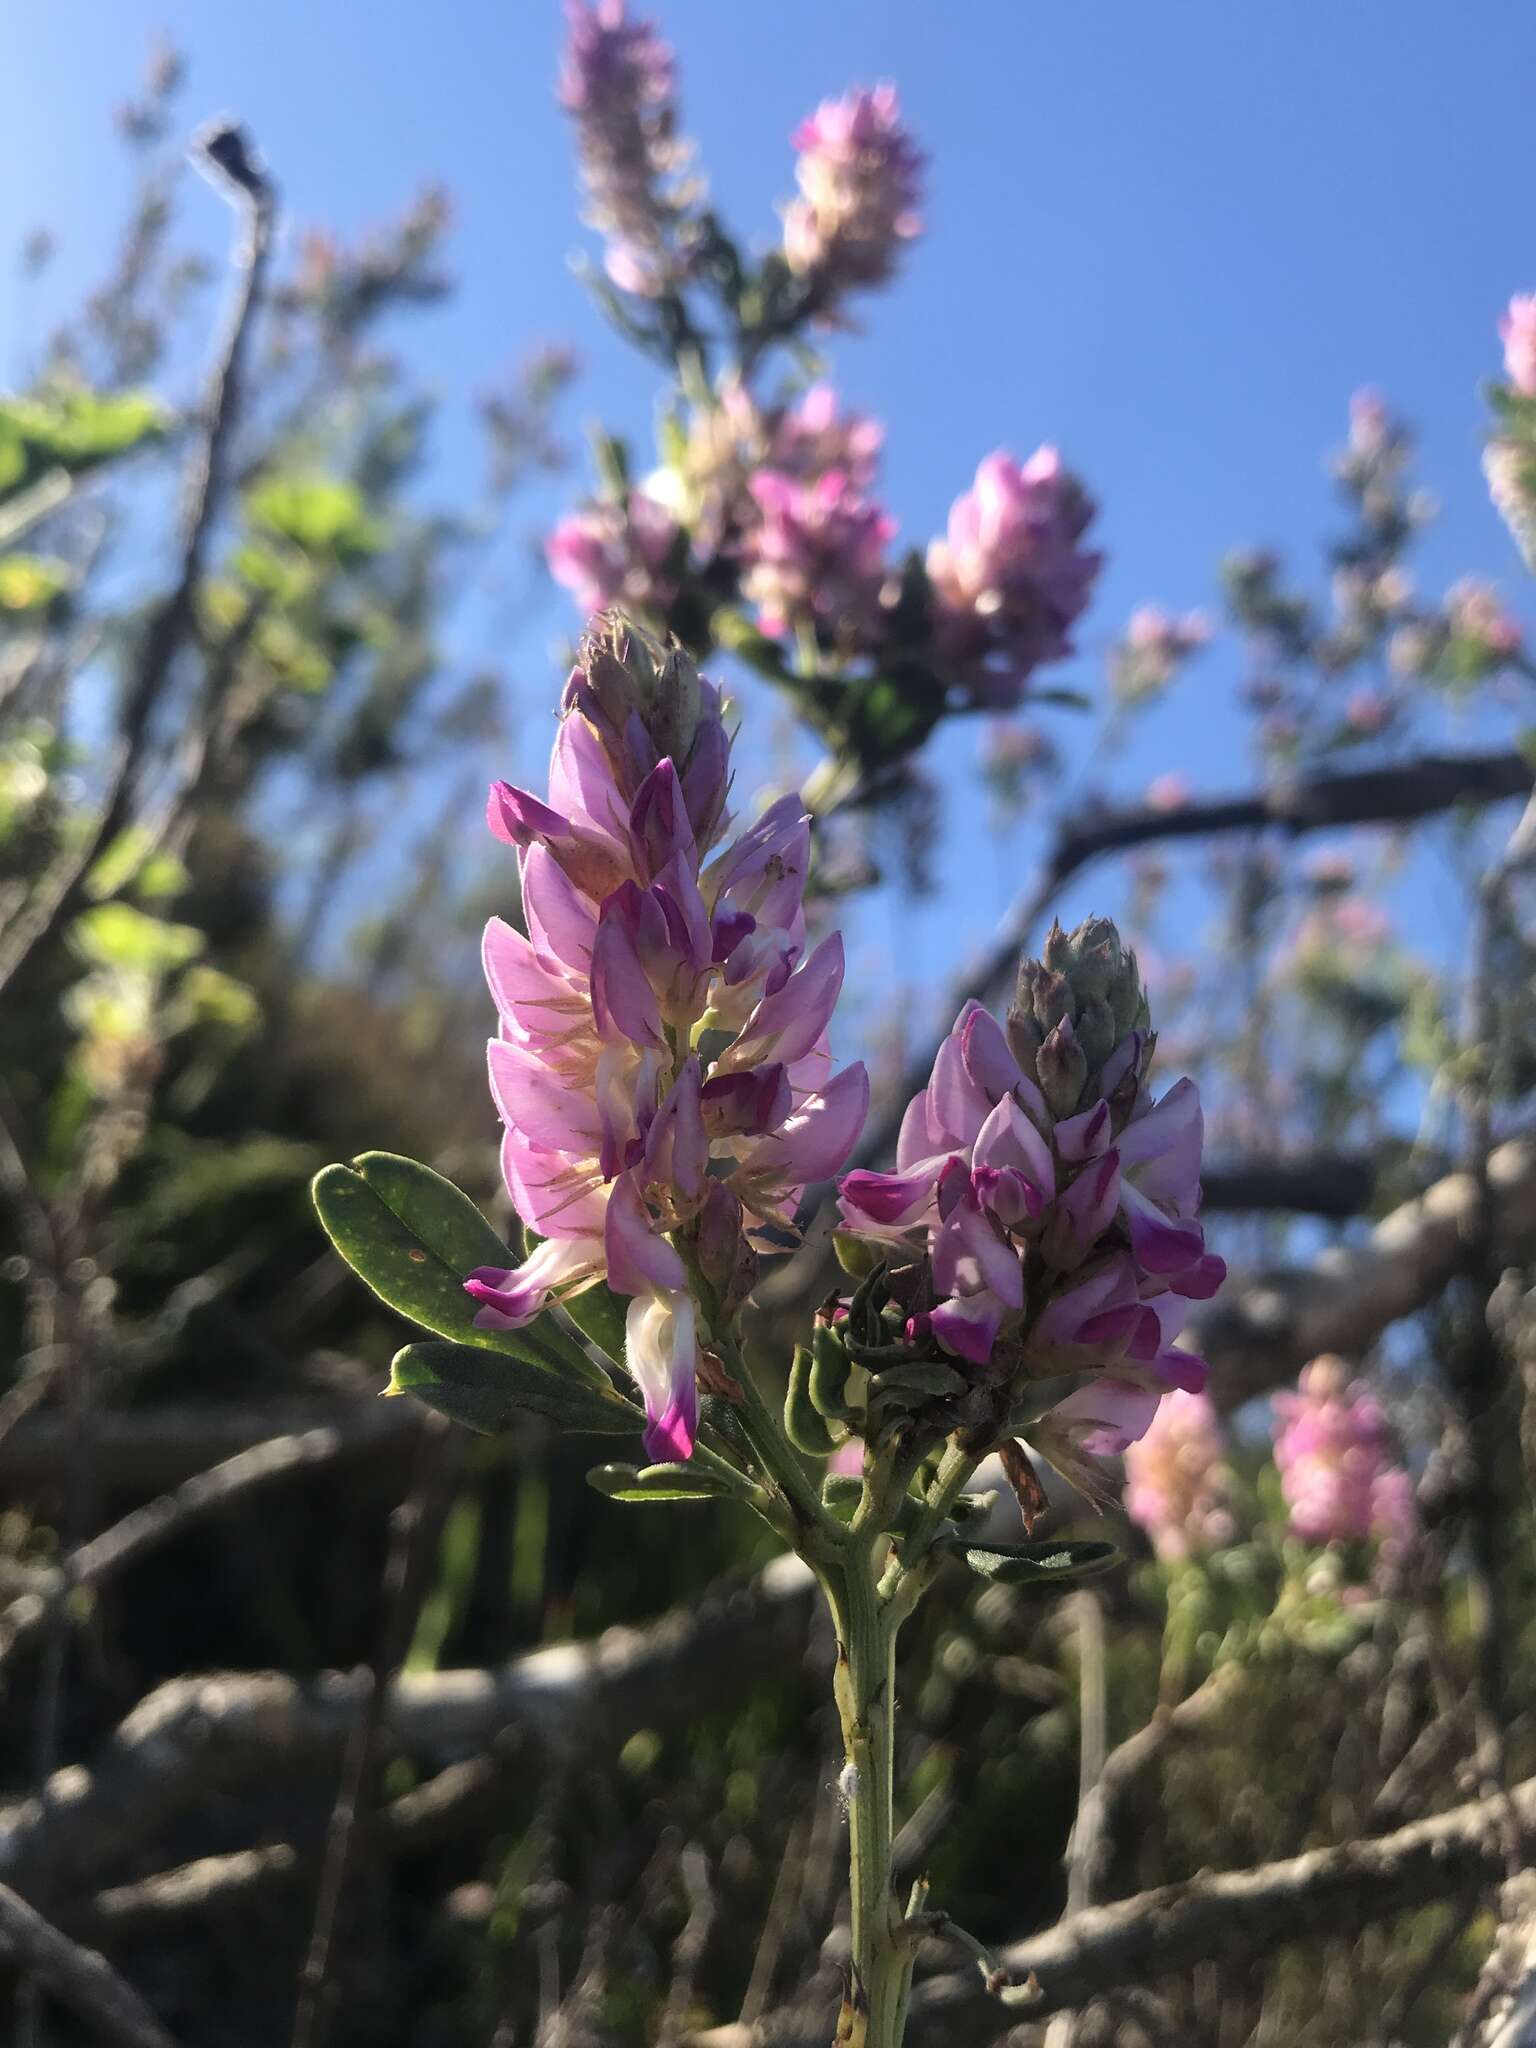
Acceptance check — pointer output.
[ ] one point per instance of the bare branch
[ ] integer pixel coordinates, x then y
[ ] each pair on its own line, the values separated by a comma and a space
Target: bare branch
1332, 1891
193, 1735
77, 1977
1374, 796
1259, 1331
96, 1563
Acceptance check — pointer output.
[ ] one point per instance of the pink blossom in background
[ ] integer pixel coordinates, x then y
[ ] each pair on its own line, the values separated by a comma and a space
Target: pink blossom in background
1517, 331
618, 84
627, 1130
607, 554
860, 178
1474, 611
1178, 1485
1010, 578
1369, 712
1339, 1472
1170, 792
816, 554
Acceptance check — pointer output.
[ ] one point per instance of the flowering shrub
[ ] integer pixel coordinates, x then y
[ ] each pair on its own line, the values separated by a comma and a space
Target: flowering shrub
760, 526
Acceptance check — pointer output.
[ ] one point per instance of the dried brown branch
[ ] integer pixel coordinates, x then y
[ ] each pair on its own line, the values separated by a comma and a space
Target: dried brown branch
1333, 1891
77, 1977
95, 1564
194, 1735
1503, 2011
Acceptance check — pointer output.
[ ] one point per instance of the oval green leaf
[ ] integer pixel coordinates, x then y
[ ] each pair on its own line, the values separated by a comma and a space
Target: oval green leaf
491, 1393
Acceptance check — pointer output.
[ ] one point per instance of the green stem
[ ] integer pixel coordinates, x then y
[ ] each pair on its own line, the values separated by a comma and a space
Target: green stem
865, 1684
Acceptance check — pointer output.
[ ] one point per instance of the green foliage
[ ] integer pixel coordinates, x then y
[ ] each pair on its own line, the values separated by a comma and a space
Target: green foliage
1052, 1563
491, 1394
656, 1483
322, 515
72, 431
412, 1237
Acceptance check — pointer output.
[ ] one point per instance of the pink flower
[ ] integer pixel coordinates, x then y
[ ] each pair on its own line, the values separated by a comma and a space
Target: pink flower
811, 439
1170, 792
608, 554
1517, 331
1178, 1485
1075, 1235
1341, 1479
816, 554
662, 1064
860, 179
1010, 579
618, 85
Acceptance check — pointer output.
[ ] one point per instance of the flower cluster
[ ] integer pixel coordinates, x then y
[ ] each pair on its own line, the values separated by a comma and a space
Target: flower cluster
860, 179
1056, 1202
1338, 1470
1010, 578
1153, 649
1178, 1484
662, 1066
610, 555
618, 86
815, 554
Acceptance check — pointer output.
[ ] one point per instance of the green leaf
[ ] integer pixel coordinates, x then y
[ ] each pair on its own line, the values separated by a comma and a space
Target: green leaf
491, 1393
655, 1482
320, 514
118, 936
1066, 700
1051, 1563
412, 1237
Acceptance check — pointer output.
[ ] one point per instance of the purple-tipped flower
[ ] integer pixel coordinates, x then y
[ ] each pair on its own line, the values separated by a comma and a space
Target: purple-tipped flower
662, 1068
618, 85
860, 178
1517, 331
1056, 1201
816, 554
1178, 1485
1339, 1471
1010, 578
608, 554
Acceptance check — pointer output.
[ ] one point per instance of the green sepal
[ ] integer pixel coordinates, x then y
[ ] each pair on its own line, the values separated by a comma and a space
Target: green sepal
1050, 1563
803, 1423
493, 1392
828, 1380
656, 1482
856, 1255
929, 1379
841, 1493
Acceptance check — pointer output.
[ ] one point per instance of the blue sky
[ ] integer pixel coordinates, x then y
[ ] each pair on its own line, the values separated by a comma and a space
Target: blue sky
1171, 239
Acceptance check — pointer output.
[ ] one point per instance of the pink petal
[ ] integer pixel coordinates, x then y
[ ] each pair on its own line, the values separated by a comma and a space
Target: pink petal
639, 1260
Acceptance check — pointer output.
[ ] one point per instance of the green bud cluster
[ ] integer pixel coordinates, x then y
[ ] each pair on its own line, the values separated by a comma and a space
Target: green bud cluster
1072, 1008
